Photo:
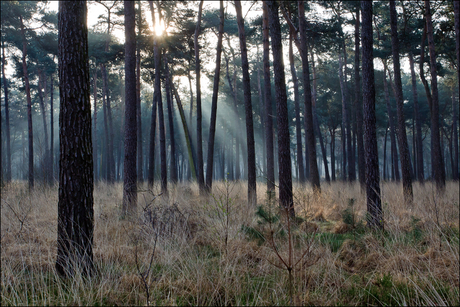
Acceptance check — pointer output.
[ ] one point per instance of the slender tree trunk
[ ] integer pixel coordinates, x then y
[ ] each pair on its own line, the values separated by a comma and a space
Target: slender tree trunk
140, 157
109, 124
344, 120
151, 170
298, 130
332, 132
199, 136
439, 174
75, 206
7, 119
268, 106
251, 154
374, 205
215, 92
52, 128
350, 157
29, 106
96, 178
385, 174
402, 137
314, 174
41, 86
129, 163
359, 107
284, 155
172, 161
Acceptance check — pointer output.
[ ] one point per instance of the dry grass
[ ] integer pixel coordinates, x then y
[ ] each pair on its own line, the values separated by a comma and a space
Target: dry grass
203, 256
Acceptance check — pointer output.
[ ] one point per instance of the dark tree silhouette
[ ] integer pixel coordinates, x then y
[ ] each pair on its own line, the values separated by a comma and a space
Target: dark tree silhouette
75, 207
129, 163
457, 48
215, 92
402, 137
7, 120
374, 205
284, 154
251, 154
199, 135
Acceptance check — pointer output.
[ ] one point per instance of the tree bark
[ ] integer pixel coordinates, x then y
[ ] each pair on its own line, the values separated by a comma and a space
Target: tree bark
7, 120
129, 207
359, 107
199, 135
151, 170
172, 161
314, 174
456, 110
438, 167
29, 106
374, 205
251, 154
75, 207
402, 137
284, 156
140, 156
268, 106
215, 93
298, 130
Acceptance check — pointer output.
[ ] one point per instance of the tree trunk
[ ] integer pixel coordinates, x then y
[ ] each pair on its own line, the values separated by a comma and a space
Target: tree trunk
332, 132
96, 178
215, 92
151, 171
418, 124
29, 106
284, 156
314, 174
316, 121
394, 150
129, 163
350, 157
172, 161
52, 128
268, 106
140, 157
298, 130
199, 135
455, 110
439, 174
344, 121
359, 107
251, 154
7, 120
109, 124
75, 207
402, 137
374, 205
41, 86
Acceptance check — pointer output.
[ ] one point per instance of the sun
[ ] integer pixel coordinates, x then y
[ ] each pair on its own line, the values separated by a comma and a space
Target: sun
159, 27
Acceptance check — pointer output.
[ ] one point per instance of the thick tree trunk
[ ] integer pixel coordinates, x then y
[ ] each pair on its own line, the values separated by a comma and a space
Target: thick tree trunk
129, 163
268, 106
284, 156
402, 137
298, 130
456, 110
215, 92
199, 135
251, 154
29, 106
75, 207
439, 173
314, 174
374, 205
7, 120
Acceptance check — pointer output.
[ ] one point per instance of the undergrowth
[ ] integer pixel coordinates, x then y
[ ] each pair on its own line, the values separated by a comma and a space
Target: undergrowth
192, 250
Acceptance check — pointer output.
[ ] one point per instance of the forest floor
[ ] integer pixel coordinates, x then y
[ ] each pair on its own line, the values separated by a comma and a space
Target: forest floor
217, 251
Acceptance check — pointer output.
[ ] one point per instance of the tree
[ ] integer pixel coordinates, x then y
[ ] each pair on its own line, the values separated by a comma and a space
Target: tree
140, 159
199, 135
129, 163
374, 206
438, 167
7, 121
402, 137
252, 195
284, 155
457, 49
75, 207
314, 174
215, 92
268, 105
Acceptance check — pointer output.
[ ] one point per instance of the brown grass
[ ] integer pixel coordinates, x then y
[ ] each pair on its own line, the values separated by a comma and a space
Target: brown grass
203, 256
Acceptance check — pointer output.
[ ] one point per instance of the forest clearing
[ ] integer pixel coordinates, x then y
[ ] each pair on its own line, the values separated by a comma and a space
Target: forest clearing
202, 254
